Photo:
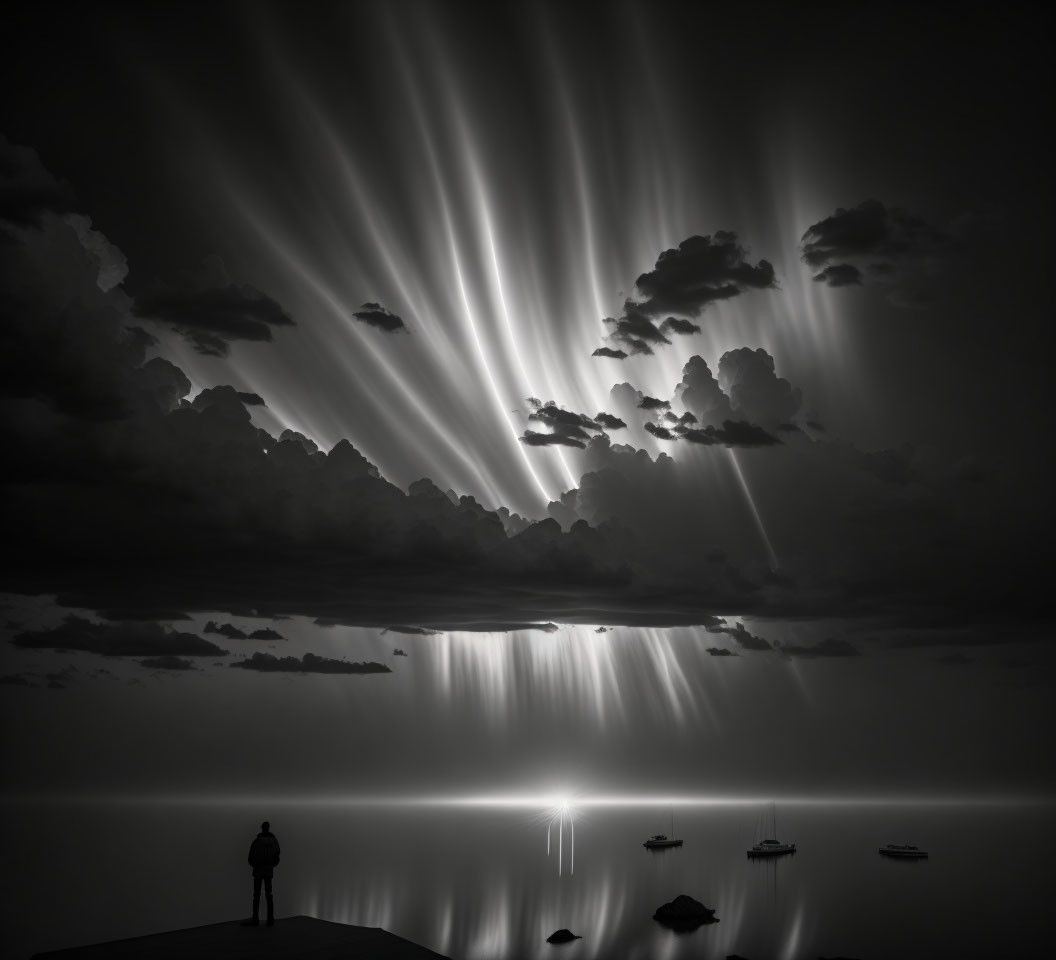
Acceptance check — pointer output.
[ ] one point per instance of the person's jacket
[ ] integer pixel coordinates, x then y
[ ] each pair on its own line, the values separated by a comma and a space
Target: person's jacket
264, 854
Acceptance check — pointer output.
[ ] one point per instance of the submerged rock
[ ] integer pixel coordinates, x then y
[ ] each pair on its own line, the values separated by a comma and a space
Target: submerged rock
685, 913
562, 936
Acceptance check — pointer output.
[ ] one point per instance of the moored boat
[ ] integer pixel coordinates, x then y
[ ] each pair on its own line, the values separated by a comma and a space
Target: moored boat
658, 841
661, 840
771, 848
904, 850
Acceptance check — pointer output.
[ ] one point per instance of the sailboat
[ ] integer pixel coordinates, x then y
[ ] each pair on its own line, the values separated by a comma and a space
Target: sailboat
661, 840
771, 847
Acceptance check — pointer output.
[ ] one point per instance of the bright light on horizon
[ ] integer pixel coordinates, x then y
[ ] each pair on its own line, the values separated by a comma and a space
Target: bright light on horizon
545, 802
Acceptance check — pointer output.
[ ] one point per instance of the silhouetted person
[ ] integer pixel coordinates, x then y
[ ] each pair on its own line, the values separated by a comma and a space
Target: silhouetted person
263, 858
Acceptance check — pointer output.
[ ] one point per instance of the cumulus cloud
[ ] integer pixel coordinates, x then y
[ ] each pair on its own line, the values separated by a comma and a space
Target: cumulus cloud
228, 630
661, 433
27, 190
251, 399
680, 326
535, 439
635, 330
756, 392
610, 353
745, 638
652, 403
720, 652
309, 663
211, 312
117, 639
567, 427
266, 633
699, 392
877, 244
700, 271
379, 317
684, 281
609, 422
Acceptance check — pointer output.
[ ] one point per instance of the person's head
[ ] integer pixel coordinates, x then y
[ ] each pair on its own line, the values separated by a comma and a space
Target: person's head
265, 827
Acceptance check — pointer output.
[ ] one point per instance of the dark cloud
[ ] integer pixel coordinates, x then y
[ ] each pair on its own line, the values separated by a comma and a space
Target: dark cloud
610, 352
701, 271
167, 663
652, 403
228, 630
27, 191
140, 501
566, 423
117, 639
955, 660
375, 315
210, 312
635, 329
677, 325
661, 433
829, 647
871, 229
266, 633
309, 663
700, 393
732, 434
876, 243
67, 348
609, 422
251, 399
534, 439
15, 680
840, 275
720, 652
412, 631
756, 392
744, 638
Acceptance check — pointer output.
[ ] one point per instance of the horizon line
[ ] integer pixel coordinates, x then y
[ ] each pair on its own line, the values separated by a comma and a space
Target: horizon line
542, 800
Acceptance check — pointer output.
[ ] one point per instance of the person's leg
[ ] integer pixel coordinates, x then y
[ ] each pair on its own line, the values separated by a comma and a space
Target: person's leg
256, 898
271, 901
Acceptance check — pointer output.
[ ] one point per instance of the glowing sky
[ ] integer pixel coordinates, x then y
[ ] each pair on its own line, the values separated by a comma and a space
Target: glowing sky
267, 188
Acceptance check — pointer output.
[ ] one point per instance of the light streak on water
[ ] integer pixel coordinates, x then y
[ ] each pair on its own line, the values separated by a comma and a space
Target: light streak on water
563, 813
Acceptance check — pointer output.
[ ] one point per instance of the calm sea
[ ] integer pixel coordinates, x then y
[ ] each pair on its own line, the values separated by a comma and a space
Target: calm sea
478, 883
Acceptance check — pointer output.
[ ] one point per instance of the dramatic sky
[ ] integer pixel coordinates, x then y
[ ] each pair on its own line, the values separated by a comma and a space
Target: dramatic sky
666, 382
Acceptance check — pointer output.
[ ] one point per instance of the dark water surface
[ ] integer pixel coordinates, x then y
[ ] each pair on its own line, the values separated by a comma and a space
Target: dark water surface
477, 883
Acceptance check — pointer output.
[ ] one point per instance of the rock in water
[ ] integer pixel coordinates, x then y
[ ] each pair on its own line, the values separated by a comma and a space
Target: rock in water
562, 936
684, 911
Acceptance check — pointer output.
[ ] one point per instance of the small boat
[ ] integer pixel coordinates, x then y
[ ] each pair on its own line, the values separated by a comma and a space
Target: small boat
771, 848
658, 841
904, 850
661, 840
